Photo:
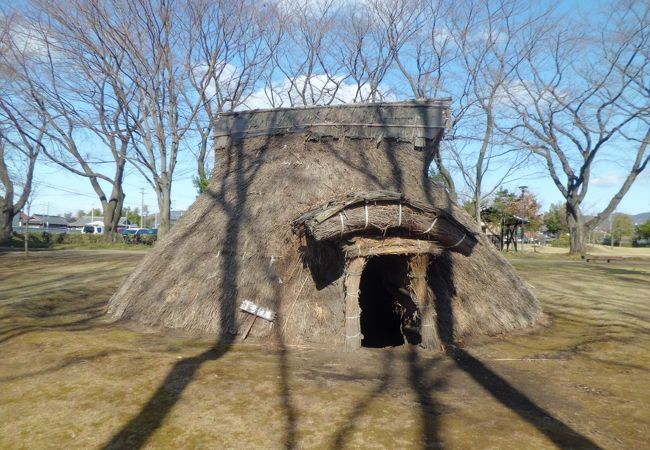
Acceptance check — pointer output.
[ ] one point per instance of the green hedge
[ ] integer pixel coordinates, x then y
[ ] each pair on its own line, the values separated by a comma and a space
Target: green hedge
64, 240
36, 240
81, 239
145, 239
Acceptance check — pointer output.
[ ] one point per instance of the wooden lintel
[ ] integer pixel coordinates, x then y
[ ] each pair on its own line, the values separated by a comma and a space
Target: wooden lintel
366, 246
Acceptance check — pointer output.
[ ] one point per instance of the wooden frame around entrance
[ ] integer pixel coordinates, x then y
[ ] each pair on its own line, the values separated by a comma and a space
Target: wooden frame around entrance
419, 254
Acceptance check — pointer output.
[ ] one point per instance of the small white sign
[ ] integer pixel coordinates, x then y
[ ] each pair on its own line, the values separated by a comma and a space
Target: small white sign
252, 308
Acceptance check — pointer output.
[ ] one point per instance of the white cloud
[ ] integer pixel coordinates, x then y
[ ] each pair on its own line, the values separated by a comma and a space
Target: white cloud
319, 89
608, 180
525, 95
30, 41
226, 83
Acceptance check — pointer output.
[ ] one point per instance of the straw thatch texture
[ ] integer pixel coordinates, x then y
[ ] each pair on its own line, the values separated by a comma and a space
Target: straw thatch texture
385, 213
236, 243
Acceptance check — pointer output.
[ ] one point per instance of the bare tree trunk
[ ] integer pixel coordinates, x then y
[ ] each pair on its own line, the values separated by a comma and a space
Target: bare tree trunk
73, 37
112, 212
477, 204
445, 174
20, 144
164, 205
6, 217
577, 228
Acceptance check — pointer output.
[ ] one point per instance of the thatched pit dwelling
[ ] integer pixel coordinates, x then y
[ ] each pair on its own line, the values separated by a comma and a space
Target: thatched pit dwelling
326, 216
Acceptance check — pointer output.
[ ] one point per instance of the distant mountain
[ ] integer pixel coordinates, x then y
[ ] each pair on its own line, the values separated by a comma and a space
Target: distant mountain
637, 218
641, 218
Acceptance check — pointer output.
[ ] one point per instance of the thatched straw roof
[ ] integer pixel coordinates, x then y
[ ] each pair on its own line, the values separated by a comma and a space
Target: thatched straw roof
237, 242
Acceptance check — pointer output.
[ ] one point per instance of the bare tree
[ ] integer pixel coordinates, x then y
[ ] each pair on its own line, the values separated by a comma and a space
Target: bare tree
229, 46
585, 99
304, 70
146, 78
20, 141
77, 85
330, 52
470, 52
509, 32
147, 42
363, 52
424, 50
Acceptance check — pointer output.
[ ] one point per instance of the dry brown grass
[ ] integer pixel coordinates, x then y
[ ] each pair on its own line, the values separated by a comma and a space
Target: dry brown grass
68, 379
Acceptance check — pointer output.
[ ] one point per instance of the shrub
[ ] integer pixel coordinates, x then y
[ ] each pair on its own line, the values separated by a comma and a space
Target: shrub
82, 239
562, 241
36, 240
40, 239
146, 239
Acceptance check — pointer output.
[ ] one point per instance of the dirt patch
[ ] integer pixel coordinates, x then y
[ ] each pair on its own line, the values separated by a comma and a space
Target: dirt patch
69, 379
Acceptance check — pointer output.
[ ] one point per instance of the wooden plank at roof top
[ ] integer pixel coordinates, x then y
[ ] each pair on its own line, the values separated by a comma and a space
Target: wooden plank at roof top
405, 121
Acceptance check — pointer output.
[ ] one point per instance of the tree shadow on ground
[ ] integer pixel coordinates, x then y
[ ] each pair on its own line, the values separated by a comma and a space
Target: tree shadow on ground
424, 385
350, 421
230, 195
63, 302
89, 320
624, 275
68, 362
497, 386
423, 379
151, 416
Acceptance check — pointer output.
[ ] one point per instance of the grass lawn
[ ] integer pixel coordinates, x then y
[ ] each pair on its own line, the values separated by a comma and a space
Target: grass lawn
634, 253
69, 379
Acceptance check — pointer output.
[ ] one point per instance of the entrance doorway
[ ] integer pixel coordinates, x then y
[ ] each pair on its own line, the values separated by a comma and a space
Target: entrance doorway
389, 317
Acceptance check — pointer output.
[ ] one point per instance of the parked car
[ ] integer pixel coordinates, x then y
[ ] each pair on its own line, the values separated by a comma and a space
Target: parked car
148, 231
140, 235
92, 229
129, 231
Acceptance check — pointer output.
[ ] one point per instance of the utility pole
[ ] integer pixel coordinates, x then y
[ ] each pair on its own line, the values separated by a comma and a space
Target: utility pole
523, 217
26, 232
142, 208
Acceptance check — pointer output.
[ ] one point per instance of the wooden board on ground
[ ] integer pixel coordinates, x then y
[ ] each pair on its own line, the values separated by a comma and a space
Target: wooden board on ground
596, 258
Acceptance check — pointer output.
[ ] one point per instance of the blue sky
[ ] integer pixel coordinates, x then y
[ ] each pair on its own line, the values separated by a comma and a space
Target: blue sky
605, 182
64, 192
69, 193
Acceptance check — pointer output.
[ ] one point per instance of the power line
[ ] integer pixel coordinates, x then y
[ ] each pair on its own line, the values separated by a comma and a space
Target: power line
66, 190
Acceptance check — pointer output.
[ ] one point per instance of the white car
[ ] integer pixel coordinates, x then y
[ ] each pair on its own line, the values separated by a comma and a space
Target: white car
93, 229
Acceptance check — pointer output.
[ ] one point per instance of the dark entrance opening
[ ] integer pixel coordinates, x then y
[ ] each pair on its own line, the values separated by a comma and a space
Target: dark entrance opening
388, 314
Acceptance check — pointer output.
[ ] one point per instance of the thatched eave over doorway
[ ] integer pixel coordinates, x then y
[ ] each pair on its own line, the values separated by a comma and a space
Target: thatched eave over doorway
382, 215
